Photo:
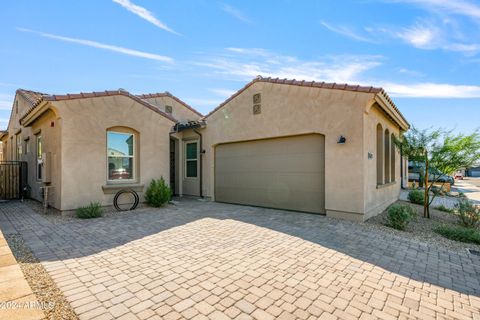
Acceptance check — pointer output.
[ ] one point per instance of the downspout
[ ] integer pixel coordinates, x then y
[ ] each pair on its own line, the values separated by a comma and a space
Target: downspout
200, 161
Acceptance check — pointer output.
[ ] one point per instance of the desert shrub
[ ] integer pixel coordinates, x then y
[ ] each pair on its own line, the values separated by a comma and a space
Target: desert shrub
444, 209
399, 216
93, 210
467, 213
158, 193
416, 196
457, 233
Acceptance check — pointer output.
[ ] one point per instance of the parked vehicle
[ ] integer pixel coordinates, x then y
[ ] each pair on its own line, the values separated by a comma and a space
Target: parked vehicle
418, 169
458, 175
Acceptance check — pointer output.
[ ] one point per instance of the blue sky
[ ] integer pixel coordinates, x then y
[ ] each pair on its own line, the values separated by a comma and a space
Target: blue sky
425, 53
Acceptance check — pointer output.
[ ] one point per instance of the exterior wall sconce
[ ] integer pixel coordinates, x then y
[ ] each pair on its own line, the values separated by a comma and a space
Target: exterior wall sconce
342, 140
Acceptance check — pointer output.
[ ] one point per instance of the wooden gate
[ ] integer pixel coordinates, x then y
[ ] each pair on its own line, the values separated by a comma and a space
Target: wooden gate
13, 180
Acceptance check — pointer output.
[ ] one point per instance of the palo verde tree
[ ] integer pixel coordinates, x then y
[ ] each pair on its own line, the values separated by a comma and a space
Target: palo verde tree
440, 153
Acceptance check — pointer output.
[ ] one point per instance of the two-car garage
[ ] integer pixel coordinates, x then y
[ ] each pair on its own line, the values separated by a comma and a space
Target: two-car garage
284, 173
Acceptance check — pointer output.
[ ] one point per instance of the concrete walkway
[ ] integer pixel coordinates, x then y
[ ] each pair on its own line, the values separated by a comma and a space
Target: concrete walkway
470, 187
17, 300
203, 260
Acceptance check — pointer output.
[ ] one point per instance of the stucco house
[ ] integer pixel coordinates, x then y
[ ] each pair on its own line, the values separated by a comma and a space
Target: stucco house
296, 145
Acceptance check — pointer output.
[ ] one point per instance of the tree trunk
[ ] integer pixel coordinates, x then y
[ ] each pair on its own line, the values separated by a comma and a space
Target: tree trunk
426, 212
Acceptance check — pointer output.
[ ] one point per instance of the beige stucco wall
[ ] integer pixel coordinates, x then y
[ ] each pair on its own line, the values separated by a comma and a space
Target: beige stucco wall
378, 198
179, 111
84, 142
50, 141
292, 110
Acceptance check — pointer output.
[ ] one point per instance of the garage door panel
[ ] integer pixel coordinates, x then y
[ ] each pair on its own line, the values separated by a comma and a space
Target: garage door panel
306, 162
286, 173
304, 181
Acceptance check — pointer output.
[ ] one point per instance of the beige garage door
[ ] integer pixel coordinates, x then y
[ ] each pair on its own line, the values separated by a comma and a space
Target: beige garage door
285, 173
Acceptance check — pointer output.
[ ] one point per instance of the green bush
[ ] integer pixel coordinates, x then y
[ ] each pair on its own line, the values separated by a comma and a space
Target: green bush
459, 233
399, 216
93, 210
416, 196
158, 193
468, 214
444, 209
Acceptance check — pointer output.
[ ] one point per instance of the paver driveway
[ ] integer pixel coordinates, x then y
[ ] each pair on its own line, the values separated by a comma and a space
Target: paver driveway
201, 260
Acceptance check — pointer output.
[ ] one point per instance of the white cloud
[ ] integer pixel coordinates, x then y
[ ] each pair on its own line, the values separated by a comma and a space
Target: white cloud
6, 101
245, 63
3, 123
431, 90
419, 36
412, 73
94, 44
430, 35
345, 31
144, 14
460, 7
234, 12
222, 92
200, 102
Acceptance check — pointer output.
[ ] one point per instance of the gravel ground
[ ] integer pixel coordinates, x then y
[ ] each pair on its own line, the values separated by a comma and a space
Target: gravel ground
40, 281
422, 228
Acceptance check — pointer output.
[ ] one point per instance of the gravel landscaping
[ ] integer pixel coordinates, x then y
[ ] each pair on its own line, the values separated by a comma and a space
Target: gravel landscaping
422, 228
40, 281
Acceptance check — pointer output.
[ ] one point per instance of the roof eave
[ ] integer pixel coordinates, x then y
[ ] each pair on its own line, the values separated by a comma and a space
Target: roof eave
34, 114
390, 111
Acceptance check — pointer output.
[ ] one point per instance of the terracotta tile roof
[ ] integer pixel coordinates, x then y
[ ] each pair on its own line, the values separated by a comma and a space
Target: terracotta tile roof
168, 94
33, 97
82, 95
314, 84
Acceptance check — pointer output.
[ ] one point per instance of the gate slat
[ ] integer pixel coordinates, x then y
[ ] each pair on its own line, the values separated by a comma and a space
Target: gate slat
13, 179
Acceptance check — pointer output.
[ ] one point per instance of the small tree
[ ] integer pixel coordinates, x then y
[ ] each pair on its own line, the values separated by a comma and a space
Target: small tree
439, 152
158, 193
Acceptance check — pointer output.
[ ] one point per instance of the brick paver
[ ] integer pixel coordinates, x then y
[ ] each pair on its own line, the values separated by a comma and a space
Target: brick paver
203, 260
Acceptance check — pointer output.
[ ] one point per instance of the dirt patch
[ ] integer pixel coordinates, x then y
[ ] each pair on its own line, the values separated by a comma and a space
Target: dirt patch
422, 228
40, 281
55, 216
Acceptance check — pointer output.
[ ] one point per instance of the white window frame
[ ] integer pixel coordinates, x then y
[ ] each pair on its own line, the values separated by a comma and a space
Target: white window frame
18, 145
27, 145
134, 162
39, 157
187, 160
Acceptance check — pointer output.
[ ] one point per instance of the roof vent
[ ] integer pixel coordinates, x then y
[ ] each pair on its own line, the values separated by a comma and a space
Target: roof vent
122, 90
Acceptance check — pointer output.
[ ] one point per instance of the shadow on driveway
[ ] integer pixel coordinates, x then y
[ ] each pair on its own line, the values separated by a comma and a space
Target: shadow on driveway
62, 239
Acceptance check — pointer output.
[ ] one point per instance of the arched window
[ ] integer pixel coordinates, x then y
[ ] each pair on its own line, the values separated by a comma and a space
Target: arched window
379, 154
392, 158
387, 156
121, 154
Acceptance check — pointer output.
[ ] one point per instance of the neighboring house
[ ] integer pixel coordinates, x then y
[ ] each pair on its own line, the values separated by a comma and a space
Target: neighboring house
306, 146
473, 172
